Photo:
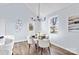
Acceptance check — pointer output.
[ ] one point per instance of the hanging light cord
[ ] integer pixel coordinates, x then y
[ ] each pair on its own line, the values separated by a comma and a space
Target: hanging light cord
38, 14
39, 9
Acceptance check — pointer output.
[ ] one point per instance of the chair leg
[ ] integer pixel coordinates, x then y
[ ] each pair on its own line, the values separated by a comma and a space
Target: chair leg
49, 50
36, 47
12, 54
29, 49
41, 51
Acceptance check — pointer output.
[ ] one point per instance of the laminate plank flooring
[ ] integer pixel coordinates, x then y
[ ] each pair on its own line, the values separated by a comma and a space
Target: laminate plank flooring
21, 48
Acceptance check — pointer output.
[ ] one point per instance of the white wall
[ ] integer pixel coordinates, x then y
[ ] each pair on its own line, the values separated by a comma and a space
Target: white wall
63, 37
11, 13
2, 27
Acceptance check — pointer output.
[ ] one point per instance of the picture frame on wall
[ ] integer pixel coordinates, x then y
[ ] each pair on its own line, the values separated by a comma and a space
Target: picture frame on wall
19, 25
73, 23
53, 24
30, 27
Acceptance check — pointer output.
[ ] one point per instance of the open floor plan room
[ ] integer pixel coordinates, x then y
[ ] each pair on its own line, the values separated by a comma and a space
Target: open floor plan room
39, 28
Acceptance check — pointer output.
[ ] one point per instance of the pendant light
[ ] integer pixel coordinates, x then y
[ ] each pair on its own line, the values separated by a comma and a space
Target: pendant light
38, 17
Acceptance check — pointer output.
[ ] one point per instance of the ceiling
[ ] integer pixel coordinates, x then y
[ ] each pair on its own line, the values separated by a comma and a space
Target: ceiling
47, 8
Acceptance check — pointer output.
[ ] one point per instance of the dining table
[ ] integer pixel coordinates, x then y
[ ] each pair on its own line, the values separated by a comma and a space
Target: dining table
36, 39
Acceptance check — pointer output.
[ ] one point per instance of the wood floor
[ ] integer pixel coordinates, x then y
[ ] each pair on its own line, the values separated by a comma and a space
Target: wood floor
21, 48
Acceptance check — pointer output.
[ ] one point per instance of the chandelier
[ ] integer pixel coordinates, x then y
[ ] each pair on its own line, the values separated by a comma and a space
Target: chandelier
38, 17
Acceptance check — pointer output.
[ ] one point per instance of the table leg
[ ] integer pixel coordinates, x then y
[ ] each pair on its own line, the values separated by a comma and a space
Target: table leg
29, 49
41, 51
49, 49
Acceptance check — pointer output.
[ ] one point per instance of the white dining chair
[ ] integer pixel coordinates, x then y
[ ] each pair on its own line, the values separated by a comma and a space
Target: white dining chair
6, 49
36, 44
30, 43
43, 44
